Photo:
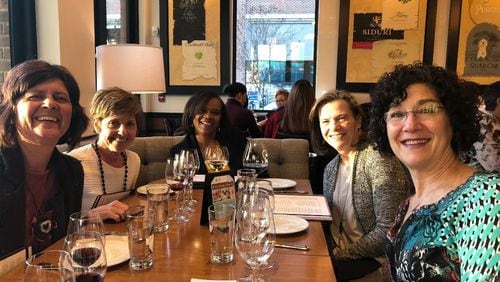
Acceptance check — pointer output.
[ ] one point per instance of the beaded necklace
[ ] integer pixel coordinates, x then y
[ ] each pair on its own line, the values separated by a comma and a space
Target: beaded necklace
103, 182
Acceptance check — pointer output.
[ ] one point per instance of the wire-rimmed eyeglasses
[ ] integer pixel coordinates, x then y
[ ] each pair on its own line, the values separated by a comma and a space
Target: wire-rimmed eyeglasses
425, 110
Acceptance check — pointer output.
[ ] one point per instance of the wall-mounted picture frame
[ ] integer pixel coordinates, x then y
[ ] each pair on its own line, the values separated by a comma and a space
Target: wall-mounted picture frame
195, 40
374, 36
473, 50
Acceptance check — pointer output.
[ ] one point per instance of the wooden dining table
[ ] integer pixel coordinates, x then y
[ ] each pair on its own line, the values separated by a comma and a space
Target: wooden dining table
182, 253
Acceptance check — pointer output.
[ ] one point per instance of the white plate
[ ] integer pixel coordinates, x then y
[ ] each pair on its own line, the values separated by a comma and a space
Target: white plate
116, 248
281, 183
288, 224
143, 189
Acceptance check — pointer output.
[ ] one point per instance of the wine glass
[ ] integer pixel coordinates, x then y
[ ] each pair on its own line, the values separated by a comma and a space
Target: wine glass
254, 232
265, 187
216, 158
49, 266
85, 221
175, 181
190, 161
255, 156
86, 249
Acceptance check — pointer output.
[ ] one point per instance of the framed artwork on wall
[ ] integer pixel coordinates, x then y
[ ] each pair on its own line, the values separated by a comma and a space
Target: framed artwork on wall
374, 36
195, 40
474, 40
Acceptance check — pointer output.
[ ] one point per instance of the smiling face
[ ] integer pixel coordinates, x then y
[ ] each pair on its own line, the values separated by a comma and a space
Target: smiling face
339, 127
116, 132
208, 122
420, 142
43, 114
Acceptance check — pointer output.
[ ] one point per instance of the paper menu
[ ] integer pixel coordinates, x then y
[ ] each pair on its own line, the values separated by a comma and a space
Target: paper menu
313, 207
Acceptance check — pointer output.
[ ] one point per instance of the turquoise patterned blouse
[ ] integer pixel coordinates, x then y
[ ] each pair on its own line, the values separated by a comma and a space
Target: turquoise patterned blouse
455, 239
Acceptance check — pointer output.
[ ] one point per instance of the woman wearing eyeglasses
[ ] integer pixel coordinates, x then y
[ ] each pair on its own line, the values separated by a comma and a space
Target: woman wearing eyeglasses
449, 229
362, 187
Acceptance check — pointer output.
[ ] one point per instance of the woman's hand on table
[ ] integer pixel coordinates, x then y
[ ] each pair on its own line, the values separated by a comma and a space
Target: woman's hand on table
114, 210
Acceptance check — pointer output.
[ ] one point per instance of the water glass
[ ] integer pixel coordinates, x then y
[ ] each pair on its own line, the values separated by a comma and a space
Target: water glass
245, 179
221, 225
49, 266
158, 205
140, 226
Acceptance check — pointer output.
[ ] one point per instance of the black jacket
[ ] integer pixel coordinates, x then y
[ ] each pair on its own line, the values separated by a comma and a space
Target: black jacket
69, 176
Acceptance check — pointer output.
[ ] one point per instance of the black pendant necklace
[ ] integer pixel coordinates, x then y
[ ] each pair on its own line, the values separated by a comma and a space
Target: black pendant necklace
103, 182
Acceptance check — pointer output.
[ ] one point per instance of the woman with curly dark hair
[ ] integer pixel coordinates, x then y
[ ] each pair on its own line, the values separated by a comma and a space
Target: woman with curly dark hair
447, 230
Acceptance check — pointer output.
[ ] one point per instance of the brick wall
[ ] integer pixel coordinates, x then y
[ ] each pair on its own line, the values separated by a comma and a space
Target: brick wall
4, 39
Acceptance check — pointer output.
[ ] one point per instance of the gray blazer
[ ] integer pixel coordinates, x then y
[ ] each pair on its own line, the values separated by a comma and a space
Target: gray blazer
379, 185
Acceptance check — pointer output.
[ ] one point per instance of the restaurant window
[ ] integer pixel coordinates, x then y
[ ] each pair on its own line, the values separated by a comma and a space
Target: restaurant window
116, 21
275, 43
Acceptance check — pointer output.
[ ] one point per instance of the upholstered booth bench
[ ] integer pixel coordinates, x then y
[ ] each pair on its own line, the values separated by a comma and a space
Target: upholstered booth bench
288, 158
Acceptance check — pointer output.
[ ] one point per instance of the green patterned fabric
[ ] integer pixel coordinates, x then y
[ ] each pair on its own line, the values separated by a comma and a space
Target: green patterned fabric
455, 239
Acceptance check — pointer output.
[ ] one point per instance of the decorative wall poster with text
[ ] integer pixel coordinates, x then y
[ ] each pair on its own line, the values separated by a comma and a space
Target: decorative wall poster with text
367, 29
479, 43
382, 34
200, 60
400, 14
189, 20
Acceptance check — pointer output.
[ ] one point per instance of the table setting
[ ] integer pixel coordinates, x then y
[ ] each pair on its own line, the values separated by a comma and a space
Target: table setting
252, 244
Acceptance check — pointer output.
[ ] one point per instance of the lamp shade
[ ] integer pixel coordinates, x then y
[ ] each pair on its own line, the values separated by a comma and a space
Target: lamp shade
133, 67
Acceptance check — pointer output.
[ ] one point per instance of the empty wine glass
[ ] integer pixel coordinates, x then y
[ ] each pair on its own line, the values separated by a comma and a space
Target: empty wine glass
255, 156
85, 221
254, 232
190, 162
216, 158
49, 266
175, 181
88, 256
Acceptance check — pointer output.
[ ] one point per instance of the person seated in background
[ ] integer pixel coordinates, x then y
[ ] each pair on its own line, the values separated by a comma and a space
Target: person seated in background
280, 98
237, 113
448, 230
205, 123
110, 169
293, 120
39, 186
362, 187
485, 153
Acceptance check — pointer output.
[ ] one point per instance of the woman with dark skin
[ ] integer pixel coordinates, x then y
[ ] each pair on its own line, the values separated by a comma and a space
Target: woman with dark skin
205, 123
39, 186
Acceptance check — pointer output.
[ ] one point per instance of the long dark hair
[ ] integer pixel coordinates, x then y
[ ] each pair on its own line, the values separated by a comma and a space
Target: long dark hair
298, 106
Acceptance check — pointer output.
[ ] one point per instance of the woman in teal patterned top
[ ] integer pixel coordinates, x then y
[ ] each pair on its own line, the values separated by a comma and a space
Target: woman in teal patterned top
449, 229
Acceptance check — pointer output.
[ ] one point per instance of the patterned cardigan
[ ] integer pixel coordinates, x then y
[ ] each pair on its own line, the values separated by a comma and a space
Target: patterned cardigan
379, 185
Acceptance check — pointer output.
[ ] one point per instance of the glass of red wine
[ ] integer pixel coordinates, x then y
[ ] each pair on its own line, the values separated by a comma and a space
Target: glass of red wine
174, 178
88, 256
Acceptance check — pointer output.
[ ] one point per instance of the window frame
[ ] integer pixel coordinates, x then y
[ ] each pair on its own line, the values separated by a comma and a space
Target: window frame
22, 31
288, 65
101, 34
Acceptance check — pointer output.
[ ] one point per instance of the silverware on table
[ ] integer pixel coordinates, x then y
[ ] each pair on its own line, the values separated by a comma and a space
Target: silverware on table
291, 192
292, 246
